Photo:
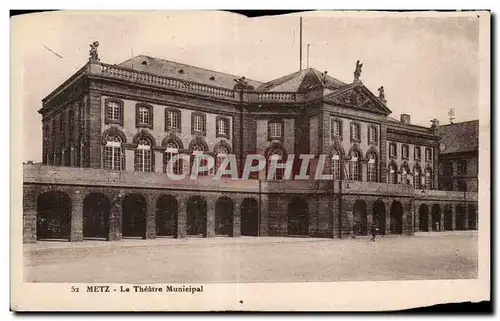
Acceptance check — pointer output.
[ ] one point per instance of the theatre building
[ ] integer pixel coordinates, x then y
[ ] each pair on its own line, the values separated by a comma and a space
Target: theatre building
109, 132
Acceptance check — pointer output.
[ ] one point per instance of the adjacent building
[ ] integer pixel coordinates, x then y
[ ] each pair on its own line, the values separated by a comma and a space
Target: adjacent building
110, 130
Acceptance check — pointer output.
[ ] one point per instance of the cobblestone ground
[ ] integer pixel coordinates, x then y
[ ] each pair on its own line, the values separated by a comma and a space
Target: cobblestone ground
429, 256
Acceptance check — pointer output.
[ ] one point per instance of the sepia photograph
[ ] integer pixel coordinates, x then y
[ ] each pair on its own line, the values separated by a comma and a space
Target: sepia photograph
164, 154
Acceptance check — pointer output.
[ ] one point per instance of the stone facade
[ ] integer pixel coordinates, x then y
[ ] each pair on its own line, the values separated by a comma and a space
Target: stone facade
75, 194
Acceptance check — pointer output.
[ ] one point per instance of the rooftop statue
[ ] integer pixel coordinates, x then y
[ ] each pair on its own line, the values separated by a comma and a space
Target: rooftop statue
357, 71
94, 56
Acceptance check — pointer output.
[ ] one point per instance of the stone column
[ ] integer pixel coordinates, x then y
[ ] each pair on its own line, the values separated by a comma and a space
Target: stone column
210, 231
115, 218
181, 217
30, 197
236, 232
263, 215
364, 171
76, 234
453, 218
150, 216
388, 218
466, 215
369, 216
416, 221
430, 223
441, 219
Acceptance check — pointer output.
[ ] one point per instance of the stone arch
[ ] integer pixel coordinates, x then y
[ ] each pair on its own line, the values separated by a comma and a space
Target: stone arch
196, 223
357, 149
224, 211
249, 217
372, 150
134, 208
112, 131
166, 215
379, 219
298, 217
338, 146
423, 218
224, 144
436, 218
172, 137
360, 218
448, 217
53, 216
275, 146
96, 210
144, 134
198, 140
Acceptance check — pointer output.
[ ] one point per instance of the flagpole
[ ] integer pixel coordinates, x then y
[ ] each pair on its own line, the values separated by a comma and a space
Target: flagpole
300, 44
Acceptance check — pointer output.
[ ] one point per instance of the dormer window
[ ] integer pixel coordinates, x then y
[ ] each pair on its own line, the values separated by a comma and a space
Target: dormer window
212, 78
144, 62
181, 71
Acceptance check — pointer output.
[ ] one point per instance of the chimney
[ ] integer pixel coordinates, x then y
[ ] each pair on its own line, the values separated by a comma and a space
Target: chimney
405, 119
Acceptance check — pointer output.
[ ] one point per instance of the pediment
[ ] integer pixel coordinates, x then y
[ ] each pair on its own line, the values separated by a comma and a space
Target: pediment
359, 97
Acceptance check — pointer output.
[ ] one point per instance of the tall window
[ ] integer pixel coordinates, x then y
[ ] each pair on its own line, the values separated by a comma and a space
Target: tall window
143, 157
392, 150
404, 175
335, 165
199, 123
335, 127
199, 149
462, 167
113, 111
391, 174
113, 153
275, 130
172, 120
416, 154
354, 166
428, 178
372, 134
355, 132
448, 168
222, 127
276, 155
405, 150
416, 177
172, 149
372, 168
143, 115
221, 154
428, 155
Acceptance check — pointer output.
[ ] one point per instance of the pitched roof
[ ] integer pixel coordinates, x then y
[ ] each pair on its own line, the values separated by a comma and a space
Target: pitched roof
162, 67
300, 81
460, 137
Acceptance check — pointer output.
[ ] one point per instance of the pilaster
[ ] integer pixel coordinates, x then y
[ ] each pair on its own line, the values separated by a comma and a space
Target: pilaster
76, 234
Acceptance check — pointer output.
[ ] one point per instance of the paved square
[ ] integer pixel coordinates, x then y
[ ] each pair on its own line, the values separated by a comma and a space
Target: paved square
269, 259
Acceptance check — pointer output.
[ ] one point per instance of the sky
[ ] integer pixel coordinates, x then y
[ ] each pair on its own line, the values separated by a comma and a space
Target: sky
427, 65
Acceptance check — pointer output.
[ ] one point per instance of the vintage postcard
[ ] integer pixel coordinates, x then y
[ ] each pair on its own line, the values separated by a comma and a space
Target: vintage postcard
207, 161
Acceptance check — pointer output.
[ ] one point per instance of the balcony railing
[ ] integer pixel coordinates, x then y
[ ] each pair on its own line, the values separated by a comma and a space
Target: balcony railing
277, 97
166, 82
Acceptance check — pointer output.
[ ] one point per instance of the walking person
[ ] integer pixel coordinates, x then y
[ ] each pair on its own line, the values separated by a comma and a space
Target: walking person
373, 232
